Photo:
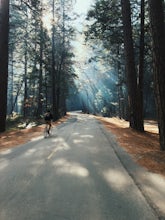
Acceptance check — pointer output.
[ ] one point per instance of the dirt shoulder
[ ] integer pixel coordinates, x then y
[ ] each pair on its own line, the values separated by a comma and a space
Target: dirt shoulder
10, 139
143, 147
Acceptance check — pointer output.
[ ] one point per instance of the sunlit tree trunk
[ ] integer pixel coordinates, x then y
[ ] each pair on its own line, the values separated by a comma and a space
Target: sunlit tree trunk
4, 32
158, 36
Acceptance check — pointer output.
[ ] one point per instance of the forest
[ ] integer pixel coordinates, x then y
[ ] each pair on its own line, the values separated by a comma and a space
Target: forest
115, 68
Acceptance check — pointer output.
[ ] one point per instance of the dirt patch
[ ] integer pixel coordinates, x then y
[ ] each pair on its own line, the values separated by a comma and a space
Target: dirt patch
10, 139
143, 147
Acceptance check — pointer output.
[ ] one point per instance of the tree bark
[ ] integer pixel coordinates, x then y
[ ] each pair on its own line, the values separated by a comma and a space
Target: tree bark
54, 77
130, 67
141, 70
40, 96
4, 33
158, 35
25, 106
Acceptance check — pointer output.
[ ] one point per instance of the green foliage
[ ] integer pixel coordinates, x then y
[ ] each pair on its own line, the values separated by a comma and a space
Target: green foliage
105, 28
106, 22
32, 55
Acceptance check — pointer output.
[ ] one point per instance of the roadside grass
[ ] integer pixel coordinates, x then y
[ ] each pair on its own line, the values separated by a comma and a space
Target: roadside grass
19, 122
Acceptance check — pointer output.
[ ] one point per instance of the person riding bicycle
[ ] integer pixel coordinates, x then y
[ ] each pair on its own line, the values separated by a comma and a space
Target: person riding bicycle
48, 117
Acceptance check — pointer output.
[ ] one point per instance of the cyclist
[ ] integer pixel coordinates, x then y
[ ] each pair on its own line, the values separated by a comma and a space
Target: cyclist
48, 117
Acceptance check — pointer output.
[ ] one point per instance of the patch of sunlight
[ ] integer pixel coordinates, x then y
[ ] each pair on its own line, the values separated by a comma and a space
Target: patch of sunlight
29, 152
86, 136
30, 125
61, 144
4, 137
155, 187
76, 133
4, 164
6, 152
72, 168
115, 179
36, 138
151, 128
158, 180
22, 125
77, 141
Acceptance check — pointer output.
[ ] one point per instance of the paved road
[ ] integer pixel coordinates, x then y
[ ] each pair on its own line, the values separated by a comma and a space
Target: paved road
73, 175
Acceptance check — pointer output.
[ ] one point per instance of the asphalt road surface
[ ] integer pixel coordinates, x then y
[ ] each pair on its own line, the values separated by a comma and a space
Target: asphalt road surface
73, 175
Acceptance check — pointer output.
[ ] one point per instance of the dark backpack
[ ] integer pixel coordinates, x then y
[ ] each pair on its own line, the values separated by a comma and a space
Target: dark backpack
48, 117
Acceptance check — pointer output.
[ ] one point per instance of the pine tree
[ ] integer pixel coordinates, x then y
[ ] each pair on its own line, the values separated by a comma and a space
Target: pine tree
4, 32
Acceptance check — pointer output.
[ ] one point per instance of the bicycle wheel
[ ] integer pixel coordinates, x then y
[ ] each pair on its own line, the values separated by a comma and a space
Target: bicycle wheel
46, 134
50, 131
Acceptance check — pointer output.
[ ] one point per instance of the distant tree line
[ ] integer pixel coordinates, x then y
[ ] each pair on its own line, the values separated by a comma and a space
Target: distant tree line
133, 33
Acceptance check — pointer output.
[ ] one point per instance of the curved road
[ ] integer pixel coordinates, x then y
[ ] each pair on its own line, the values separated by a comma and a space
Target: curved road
73, 175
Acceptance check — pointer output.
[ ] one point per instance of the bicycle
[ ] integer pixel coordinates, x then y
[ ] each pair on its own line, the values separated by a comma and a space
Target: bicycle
47, 130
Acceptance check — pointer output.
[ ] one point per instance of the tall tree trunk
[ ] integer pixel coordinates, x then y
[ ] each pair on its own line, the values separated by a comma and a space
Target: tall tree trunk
17, 93
130, 66
141, 70
10, 105
119, 86
54, 87
26, 104
40, 96
158, 35
4, 33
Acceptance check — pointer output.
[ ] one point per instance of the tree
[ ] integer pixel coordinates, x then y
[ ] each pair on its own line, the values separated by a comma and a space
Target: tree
140, 77
62, 34
53, 70
42, 66
107, 27
158, 36
135, 121
4, 31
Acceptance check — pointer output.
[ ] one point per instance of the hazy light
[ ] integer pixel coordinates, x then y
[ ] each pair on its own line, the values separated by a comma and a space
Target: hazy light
47, 20
82, 6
